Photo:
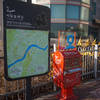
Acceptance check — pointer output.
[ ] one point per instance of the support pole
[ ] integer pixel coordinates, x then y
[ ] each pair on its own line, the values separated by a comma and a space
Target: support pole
28, 80
28, 89
54, 47
54, 50
95, 60
58, 40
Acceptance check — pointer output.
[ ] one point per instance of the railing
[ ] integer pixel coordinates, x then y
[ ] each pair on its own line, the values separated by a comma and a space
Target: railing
87, 62
90, 61
15, 90
98, 63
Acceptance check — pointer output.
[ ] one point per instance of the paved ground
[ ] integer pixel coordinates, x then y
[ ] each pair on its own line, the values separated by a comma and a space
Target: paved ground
89, 91
86, 91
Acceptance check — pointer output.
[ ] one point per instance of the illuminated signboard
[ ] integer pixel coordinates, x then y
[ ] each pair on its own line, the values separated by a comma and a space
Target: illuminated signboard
66, 40
26, 39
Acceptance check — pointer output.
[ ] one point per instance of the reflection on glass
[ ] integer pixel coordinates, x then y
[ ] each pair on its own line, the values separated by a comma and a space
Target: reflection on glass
84, 30
84, 13
23, 0
72, 12
58, 11
86, 1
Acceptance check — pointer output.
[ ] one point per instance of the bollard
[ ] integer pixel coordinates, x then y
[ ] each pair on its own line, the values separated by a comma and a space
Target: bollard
95, 60
54, 49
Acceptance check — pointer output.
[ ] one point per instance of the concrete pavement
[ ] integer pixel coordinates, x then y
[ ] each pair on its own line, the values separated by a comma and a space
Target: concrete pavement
86, 91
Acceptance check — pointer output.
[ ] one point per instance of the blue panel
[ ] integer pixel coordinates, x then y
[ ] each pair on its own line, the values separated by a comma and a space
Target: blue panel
73, 12
57, 11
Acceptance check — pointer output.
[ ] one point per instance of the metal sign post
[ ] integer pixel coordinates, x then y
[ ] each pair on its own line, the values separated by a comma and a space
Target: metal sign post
95, 60
28, 80
28, 89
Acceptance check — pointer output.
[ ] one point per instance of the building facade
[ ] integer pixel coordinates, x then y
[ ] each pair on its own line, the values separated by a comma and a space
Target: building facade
69, 15
94, 27
98, 17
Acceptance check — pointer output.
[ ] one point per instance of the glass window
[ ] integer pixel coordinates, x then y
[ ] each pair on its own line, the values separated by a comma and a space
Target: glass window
83, 30
86, 1
55, 27
77, 0
84, 13
47, 5
71, 27
22, 0
72, 12
58, 11
94, 8
34, 1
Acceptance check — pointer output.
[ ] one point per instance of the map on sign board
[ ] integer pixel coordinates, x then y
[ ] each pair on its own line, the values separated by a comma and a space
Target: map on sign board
26, 40
24, 53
